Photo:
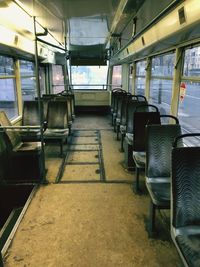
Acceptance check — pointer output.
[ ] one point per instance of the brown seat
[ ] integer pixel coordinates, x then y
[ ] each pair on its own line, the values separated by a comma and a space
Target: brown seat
57, 123
25, 159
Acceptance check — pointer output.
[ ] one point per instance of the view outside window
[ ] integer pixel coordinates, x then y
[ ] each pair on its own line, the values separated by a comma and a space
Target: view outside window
161, 82
89, 77
28, 81
117, 76
140, 77
42, 80
189, 108
8, 96
130, 87
58, 79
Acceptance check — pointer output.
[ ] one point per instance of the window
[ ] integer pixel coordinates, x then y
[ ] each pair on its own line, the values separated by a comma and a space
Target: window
117, 76
130, 78
189, 108
8, 96
28, 80
161, 82
58, 79
89, 77
140, 77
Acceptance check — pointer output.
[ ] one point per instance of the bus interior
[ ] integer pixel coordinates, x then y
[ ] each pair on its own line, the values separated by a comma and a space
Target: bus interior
99, 133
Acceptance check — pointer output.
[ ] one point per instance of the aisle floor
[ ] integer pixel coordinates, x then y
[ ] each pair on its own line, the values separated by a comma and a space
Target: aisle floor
91, 217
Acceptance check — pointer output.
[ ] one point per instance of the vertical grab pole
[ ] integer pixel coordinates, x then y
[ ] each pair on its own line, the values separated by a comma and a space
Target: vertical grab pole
39, 102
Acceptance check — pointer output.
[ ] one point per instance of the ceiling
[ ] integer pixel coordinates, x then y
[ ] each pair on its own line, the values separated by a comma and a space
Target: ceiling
87, 24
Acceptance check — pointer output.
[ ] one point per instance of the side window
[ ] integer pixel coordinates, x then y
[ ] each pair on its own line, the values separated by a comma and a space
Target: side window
161, 81
140, 77
8, 95
28, 81
58, 79
189, 108
117, 76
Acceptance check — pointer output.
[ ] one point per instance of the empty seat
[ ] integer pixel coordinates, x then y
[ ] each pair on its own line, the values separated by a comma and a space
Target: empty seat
144, 115
31, 117
160, 140
185, 202
25, 159
121, 112
127, 137
68, 101
57, 123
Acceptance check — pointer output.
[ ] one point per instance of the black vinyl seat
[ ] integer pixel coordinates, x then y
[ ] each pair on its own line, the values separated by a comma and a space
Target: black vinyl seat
121, 111
117, 106
185, 201
57, 123
127, 137
25, 160
144, 115
114, 93
159, 144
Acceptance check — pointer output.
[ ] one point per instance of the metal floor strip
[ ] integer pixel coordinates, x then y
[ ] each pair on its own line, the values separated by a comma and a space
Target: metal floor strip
75, 134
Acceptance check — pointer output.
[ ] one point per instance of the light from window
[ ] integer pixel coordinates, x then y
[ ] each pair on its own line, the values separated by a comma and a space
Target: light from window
89, 77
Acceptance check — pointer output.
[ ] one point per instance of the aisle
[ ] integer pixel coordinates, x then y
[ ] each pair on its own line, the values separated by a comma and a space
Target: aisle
90, 218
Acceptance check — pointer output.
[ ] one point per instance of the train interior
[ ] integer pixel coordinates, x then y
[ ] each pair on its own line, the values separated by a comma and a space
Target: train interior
99, 133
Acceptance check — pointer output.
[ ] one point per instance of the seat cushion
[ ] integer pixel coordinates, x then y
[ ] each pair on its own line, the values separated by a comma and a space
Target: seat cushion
129, 138
56, 133
139, 158
28, 146
189, 245
159, 193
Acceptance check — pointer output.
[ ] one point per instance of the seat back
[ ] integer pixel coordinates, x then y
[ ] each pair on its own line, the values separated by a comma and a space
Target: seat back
14, 137
68, 103
124, 108
185, 199
30, 115
4, 154
140, 120
159, 144
114, 92
57, 116
131, 107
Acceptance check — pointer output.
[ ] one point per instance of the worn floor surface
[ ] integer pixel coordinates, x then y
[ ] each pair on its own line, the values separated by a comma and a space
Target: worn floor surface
91, 218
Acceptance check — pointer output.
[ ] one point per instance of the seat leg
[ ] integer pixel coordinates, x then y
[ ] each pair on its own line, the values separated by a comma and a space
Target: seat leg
152, 214
122, 142
61, 148
117, 132
137, 174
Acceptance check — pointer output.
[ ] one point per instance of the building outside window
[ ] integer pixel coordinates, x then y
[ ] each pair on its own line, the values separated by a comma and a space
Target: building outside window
8, 95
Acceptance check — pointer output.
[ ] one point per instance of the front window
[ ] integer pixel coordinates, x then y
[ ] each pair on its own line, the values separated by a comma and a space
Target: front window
8, 96
89, 77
